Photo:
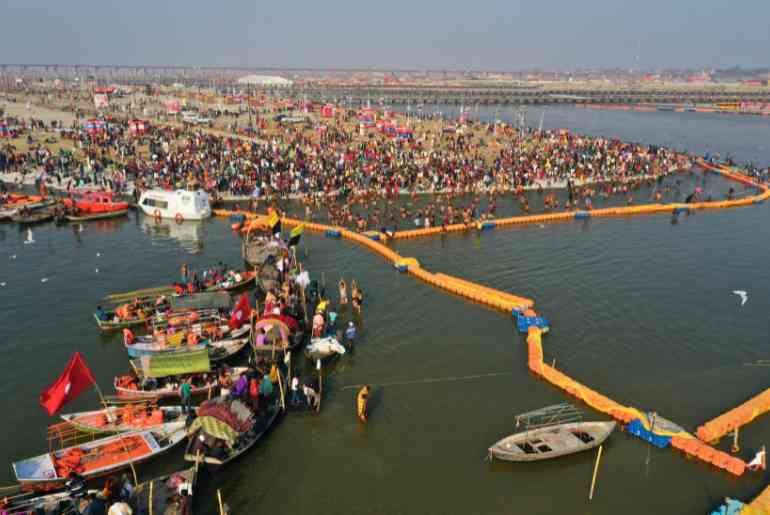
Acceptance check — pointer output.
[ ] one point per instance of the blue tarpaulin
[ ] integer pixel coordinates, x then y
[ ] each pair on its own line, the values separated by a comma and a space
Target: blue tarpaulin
636, 428
524, 323
731, 507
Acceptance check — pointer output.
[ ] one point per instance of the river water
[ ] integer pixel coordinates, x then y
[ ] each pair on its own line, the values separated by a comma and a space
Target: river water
641, 310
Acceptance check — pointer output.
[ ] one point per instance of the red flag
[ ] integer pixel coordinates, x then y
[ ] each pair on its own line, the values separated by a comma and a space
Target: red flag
241, 313
76, 378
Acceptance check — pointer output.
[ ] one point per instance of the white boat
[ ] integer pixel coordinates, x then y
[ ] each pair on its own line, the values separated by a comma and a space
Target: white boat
550, 432
97, 458
320, 348
179, 205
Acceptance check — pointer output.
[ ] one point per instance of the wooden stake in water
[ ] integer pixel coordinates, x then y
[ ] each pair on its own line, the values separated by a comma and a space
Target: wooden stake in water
735, 448
596, 471
221, 506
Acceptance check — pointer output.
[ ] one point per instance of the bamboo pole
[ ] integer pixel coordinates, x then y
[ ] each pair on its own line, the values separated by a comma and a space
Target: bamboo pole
735, 448
280, 387
320, 386
149, 498
221, 506
596, 471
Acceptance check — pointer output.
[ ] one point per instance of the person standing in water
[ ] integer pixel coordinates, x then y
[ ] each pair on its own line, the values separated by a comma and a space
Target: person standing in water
362, 403
343, 293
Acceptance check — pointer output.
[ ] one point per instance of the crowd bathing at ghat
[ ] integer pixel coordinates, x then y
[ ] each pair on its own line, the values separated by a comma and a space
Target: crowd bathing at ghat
370, 175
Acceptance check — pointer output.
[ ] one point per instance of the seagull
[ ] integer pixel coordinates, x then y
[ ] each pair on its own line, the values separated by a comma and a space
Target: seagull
30, 238
97, 270
743, 295
2, 285
44, 280
98, 254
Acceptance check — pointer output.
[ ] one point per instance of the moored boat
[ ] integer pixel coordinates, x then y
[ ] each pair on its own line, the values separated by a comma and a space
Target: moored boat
549, 433
225, 429
25, 217
121, 419
95, 203
97, 458
168, 495
159, 376
80, 217
321, 348
162, 342
179, 205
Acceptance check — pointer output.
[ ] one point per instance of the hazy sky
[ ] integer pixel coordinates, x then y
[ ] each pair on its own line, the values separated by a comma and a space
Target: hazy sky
477, 34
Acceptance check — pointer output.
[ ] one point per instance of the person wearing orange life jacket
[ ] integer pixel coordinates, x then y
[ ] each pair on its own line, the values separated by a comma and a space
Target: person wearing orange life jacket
128, 336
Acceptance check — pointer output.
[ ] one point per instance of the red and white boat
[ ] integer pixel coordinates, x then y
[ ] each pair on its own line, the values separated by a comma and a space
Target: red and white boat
95, 202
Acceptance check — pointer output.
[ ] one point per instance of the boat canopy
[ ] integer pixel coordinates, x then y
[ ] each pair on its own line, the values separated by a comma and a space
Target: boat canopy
209, 300
171, 364
562, 413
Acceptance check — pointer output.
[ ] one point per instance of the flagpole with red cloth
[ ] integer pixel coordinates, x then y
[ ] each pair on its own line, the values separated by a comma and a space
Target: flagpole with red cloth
241, 313
75, 378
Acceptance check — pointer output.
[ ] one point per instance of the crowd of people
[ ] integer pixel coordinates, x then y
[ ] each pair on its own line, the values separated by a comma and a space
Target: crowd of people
354, 176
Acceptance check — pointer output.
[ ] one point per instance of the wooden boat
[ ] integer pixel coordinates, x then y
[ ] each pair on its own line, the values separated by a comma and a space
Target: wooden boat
320, 348
262, 254
14, 203
247, 278
549, 433
96, 216
34, 504
97, 458
121, 419
167, 495
149, 344
282, 333
114, 325
157, 377
202, 445
224, 349
35, 217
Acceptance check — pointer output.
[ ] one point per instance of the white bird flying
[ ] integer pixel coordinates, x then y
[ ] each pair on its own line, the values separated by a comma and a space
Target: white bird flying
98, 254
44, 280
743, 295
97, 270
2, 285
30, 238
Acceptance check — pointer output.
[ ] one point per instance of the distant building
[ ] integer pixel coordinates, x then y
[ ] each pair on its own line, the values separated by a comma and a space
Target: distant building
265, 80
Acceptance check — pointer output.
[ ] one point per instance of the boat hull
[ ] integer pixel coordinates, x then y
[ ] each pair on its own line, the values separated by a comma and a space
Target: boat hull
552, 442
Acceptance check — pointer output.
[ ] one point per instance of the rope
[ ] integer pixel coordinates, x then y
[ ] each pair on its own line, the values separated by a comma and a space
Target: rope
434, 380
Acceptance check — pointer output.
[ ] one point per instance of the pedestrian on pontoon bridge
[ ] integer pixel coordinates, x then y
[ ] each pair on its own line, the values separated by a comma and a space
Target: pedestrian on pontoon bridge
343, 293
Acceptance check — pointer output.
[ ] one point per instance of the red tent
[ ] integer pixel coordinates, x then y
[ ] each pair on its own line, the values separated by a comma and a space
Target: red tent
138, 127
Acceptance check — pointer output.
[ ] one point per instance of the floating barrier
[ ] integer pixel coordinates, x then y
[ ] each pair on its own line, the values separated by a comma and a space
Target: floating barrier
524, 322
715, 429
535, 327
487, 226
404, 264
636, 428
760, 504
